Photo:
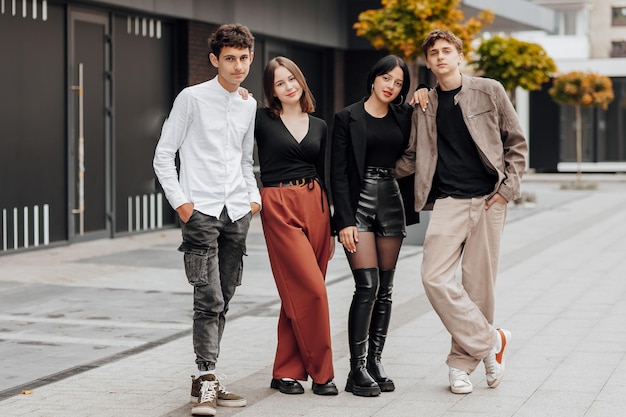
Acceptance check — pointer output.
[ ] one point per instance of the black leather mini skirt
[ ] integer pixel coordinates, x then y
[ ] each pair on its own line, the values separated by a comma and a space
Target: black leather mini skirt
380, 208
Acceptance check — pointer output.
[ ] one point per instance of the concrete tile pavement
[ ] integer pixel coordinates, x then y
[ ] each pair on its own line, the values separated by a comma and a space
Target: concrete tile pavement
561, 291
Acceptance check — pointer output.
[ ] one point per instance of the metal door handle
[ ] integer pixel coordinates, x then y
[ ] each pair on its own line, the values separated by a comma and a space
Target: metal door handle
81, 153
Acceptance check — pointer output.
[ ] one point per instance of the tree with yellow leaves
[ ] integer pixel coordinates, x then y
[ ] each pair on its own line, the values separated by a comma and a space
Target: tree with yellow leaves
514, 63
582, 89
400, 26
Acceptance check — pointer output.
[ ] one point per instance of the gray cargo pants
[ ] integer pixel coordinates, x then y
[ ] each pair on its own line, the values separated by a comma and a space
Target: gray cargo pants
213, 253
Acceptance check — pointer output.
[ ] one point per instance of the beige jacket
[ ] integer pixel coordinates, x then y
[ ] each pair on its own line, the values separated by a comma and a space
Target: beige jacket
493, 124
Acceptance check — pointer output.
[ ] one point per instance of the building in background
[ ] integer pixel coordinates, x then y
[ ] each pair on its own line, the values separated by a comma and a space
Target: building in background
588, 35
86, 86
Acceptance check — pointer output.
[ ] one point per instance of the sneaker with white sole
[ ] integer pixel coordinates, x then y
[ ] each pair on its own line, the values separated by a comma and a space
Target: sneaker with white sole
459, 381
225, 398
494, 362
207, 398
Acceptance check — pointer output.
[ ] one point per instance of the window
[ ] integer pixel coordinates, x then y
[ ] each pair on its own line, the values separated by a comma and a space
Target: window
618, 16
618, 49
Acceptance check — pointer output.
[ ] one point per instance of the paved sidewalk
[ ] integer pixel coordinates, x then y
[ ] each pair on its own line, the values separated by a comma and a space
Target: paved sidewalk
561, 291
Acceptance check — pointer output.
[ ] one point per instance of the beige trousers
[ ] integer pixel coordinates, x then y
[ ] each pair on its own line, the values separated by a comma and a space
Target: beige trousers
462, 231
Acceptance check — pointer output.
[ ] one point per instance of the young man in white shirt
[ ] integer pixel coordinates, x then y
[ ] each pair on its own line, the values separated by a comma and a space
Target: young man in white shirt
212, 128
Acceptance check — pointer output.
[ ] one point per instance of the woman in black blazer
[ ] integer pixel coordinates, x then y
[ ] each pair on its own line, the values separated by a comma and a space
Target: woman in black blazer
368, 137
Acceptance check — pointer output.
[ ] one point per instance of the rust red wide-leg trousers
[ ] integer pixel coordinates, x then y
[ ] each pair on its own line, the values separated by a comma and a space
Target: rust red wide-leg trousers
296, 224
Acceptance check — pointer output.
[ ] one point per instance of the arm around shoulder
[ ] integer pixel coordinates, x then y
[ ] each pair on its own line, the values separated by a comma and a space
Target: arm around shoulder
406, 164
247, 161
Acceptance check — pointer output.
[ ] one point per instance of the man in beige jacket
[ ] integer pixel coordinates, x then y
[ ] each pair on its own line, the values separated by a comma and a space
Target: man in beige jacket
468, 152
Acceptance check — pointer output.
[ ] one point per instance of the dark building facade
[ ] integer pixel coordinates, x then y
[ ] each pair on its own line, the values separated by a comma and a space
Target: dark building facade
80, 111
87, 85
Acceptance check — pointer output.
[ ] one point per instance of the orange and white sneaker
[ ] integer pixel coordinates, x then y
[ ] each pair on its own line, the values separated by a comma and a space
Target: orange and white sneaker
494, 362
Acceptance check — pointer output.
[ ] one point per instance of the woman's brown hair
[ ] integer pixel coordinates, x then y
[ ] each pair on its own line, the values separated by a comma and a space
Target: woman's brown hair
307, 101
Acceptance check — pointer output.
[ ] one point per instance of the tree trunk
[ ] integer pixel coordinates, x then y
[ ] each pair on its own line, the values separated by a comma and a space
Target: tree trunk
579, 147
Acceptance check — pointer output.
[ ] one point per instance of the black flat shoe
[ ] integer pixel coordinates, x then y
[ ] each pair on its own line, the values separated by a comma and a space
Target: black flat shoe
287, 386
328, 388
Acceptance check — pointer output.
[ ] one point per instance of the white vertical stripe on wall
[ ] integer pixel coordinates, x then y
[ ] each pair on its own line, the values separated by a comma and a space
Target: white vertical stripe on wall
25, 227
34, 8
22, 227
159, 208
46, 224
143, 26
130, 214
152, 209
145, 211
36, 226
137, 212
15, 242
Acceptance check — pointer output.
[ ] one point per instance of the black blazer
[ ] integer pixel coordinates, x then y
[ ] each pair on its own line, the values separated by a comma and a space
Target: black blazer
347, 162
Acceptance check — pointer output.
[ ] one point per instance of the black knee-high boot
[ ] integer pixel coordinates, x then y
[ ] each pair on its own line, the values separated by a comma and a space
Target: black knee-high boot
378, 331
359, 380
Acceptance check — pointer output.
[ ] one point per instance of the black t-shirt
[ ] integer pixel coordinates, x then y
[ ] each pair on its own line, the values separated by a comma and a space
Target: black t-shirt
385, 142
461, 172
281, 156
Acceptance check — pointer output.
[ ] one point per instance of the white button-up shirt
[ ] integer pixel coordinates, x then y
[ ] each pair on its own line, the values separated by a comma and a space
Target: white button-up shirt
212, 129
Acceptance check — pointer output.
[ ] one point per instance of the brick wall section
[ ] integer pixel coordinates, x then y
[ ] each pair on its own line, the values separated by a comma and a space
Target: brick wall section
199, 66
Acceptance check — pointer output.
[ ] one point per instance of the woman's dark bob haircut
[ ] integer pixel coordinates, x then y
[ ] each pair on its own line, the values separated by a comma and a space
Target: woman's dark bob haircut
384, 66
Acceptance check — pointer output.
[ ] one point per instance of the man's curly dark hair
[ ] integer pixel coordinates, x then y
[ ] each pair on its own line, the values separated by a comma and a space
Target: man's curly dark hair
231, 35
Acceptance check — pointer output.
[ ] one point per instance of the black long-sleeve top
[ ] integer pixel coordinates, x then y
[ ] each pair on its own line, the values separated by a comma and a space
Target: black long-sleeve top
282, 157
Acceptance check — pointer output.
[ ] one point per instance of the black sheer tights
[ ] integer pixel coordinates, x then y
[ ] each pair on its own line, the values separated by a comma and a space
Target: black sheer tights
375, 252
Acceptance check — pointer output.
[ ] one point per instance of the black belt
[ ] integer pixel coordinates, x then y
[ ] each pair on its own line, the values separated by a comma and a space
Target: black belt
378, 173
298, 182
379, 170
